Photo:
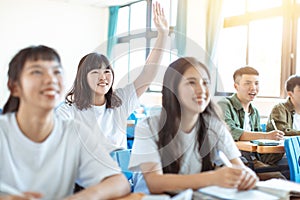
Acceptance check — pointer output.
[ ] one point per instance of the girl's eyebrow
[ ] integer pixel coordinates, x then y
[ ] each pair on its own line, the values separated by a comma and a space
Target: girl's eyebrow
190, 78
41, 66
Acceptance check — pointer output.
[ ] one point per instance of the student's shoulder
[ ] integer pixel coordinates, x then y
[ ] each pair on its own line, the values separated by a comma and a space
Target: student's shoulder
65, 106
283, 106
5, 118
7, 121
72, 126
150, 123
225, 103
128, 90
66, 110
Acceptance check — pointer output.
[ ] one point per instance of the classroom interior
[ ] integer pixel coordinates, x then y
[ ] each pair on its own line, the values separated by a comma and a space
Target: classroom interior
232, 33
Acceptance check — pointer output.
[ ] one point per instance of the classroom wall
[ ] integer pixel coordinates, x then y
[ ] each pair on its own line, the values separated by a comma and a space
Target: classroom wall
75, 30
72, 29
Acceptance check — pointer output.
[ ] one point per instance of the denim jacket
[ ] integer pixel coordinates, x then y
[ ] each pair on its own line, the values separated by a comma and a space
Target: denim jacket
283, 116
234, 115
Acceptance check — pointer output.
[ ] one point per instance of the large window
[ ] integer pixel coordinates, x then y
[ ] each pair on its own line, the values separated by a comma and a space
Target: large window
136, 36
262, 34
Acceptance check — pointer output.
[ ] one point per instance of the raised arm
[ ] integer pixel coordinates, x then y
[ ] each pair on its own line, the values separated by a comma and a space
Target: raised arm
153, 61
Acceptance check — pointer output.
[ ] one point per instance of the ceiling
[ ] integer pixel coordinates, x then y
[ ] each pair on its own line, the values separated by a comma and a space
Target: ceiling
97, 3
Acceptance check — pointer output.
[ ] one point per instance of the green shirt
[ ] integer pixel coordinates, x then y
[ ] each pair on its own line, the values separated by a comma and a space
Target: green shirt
283, 116
234, 115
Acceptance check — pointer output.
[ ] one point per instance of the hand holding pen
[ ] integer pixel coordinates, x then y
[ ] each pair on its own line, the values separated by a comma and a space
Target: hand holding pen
247, 178
275, 134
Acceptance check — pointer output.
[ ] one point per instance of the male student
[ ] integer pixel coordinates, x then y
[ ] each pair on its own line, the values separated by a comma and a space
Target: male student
243, 118
287, 115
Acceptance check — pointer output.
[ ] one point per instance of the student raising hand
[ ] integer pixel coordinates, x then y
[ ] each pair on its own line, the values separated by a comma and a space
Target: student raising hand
93, 100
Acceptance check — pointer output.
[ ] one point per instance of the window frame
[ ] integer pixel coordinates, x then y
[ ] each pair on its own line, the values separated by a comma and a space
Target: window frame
290, 11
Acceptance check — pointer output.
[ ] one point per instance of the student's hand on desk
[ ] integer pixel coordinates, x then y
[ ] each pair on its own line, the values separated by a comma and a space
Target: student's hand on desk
249, 179
228, 177
275, 135
26, 196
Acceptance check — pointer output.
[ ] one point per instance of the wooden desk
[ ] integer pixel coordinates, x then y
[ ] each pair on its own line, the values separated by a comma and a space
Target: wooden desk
132, 196
250, 147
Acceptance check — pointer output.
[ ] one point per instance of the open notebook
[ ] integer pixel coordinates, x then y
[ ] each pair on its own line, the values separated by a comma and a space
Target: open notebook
281, 188
267, 190
234, 194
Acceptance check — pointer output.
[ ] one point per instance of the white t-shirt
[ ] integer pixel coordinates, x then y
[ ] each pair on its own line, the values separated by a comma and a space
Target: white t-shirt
145, 148
52, 167
296, 122
109, 122
247, 125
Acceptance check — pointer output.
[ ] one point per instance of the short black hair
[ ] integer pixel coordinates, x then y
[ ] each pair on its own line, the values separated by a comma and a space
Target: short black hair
292, 82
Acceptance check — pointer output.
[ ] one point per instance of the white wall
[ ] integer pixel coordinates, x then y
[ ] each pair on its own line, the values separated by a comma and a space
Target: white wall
73, 30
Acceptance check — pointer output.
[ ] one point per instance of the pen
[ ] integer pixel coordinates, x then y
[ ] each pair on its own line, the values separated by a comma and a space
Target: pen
224, 159
274, 125
9, 189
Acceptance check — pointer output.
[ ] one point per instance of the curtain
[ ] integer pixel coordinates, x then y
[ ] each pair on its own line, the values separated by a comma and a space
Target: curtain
112, 29
180, 29
214, 24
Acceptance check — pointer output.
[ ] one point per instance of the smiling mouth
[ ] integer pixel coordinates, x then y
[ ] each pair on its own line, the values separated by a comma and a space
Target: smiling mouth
200, 100
102, 84
50, 93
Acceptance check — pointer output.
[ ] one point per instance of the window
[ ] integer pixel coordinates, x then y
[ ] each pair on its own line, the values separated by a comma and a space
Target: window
135, 40
262, 34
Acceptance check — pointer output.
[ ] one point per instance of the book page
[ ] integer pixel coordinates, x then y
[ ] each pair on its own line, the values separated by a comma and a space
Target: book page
229, 193
279, 186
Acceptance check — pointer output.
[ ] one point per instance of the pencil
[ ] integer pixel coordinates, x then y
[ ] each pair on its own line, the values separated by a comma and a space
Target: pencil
274, 125
224, 159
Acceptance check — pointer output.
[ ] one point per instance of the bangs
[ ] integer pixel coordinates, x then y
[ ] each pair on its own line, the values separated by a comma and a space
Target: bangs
42, 54
96, 61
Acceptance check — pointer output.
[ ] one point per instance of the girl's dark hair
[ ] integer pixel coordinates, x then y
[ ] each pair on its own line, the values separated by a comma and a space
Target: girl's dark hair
16, 65
171, 117
81, 93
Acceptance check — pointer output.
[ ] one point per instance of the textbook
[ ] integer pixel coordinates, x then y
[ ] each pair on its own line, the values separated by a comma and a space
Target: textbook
266, 142
268, 190
234, 194
282, 188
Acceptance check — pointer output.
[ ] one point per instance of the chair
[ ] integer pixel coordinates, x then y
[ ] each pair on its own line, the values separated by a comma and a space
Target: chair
122, 157
292, 149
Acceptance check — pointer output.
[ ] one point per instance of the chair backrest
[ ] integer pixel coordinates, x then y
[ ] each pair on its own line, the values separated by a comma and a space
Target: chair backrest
292, 149
122, 157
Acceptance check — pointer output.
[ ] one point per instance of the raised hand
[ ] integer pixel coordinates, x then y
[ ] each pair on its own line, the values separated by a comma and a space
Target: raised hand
159, 19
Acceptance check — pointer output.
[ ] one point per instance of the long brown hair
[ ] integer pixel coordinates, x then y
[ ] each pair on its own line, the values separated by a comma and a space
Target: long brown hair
16, 66
81, 93
171, 117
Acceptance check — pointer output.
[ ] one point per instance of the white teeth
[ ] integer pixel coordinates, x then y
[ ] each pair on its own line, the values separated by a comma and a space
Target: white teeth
102, 84
50, 92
